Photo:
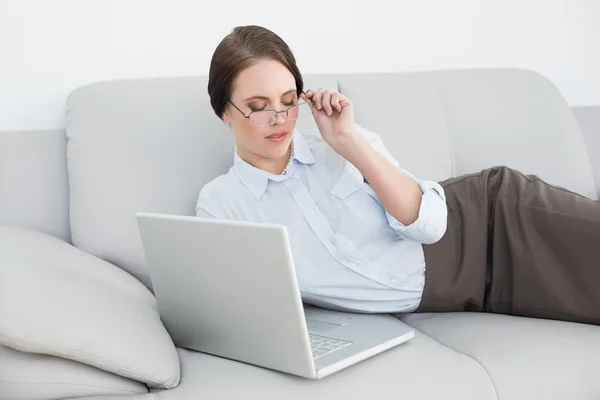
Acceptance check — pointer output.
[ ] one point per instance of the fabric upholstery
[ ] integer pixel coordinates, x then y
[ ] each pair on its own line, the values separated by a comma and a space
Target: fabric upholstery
526, 358
419, 369
515, 118
28, 376
58, 300
409, 117
34, 189
146, 396
589, 121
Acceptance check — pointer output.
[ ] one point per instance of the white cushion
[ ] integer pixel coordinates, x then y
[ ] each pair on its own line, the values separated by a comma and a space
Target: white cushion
27, 376
58, 300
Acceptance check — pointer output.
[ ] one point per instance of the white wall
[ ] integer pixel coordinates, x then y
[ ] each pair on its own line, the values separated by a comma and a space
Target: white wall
50, 47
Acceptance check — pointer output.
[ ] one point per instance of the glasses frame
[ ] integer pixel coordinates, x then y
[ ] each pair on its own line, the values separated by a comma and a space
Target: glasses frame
275, 111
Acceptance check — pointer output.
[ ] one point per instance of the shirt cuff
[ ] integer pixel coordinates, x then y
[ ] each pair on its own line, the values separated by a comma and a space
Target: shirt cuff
431, 224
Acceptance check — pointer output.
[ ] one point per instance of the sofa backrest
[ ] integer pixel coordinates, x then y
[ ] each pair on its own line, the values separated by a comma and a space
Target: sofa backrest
588, 118
151, 144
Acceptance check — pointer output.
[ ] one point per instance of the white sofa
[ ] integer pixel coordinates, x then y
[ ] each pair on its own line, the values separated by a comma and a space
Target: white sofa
77, 318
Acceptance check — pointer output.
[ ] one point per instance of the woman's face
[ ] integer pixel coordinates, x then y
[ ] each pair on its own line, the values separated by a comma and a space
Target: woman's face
266, 85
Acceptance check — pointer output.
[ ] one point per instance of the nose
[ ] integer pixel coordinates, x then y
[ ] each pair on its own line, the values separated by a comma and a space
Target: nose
280, 118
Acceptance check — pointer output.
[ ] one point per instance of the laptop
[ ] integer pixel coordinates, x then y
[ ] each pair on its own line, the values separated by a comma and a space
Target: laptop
229, 288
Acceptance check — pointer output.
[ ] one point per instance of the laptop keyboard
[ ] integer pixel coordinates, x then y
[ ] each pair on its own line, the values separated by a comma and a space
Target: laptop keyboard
321, 345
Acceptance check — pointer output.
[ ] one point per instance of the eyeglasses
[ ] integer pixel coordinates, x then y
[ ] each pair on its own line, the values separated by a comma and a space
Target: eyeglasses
268, 117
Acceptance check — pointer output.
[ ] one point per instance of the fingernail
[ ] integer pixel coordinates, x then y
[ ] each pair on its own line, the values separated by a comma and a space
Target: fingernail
318, 105
329, 113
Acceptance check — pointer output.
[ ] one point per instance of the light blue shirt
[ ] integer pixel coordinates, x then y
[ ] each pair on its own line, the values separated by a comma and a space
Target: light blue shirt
349, 252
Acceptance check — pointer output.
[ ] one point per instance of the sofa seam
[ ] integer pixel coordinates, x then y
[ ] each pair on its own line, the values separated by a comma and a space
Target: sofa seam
464, 354
447, 123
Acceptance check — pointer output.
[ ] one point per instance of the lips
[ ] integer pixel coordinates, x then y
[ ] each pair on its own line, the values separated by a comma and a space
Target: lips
277, 136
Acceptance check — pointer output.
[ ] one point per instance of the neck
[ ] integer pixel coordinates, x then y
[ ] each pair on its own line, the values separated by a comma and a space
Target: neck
272, 165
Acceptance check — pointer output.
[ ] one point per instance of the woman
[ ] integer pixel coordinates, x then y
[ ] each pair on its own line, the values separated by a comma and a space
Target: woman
366, 235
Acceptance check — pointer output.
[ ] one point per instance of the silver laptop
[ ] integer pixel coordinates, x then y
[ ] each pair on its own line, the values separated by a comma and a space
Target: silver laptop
229, 288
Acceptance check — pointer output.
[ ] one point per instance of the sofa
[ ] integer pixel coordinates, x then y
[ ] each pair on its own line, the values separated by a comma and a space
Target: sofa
77, 316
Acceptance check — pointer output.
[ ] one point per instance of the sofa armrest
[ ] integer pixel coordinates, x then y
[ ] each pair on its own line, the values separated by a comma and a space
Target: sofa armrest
34, 189
589, 121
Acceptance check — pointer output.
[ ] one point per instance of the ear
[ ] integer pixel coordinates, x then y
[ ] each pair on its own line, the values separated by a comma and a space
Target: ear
226, 117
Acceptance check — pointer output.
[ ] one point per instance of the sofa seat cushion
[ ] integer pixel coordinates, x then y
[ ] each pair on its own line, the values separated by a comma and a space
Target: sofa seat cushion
28, 376
419, 369
58, 300
452, 356
526, 358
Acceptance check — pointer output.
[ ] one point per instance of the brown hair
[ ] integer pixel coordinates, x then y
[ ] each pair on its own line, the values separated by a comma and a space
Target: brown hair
236, 52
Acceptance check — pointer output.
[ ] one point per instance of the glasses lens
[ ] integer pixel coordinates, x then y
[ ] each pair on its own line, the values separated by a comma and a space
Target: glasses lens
293, 112
262, 118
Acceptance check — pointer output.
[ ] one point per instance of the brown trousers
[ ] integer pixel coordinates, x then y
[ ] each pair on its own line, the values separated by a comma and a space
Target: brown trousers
515, 245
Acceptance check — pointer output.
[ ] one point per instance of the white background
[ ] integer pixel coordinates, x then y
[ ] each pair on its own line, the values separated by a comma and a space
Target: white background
50, 47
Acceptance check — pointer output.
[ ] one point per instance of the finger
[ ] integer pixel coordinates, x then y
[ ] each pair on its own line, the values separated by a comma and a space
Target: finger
335, 101
308, 97
318, 97
326, 102
344, 101
304, 96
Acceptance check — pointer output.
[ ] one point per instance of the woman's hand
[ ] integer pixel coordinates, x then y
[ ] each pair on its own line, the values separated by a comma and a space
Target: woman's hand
334, 115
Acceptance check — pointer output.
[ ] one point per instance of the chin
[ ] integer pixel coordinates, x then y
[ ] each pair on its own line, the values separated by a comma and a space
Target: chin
277, 153
276, 150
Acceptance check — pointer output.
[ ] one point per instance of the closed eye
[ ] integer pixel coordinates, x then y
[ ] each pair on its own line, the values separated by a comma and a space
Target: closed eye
254, 109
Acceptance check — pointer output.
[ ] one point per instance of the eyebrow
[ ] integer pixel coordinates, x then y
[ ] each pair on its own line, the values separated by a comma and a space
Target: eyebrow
266, 98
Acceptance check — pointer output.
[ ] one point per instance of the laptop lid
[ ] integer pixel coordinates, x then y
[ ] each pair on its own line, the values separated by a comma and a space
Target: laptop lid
228, 288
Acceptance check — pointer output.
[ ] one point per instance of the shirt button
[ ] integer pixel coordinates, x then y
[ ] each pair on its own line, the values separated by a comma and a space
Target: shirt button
311, 211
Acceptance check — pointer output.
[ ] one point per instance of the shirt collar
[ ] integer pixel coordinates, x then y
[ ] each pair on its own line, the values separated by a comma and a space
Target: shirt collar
256, 179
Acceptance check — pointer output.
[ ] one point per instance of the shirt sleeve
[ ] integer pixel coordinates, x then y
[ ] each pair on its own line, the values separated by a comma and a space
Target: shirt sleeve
204, 209
432, 221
